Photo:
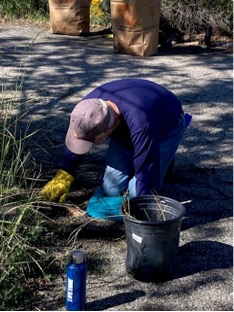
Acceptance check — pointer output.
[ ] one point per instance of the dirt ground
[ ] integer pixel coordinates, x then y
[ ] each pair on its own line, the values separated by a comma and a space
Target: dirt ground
57, 71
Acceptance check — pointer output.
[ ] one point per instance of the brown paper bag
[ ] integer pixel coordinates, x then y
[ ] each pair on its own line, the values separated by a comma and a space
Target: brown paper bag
69, 17
135, 26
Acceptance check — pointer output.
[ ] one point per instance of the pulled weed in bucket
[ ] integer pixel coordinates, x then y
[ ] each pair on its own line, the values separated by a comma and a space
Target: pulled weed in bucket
126, 208
156, 212
161, 209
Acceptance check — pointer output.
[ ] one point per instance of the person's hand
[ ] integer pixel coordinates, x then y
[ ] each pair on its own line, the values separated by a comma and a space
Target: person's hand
58, 188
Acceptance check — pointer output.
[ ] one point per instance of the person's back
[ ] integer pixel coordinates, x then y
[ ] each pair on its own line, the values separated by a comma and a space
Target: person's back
140, 102
148, 114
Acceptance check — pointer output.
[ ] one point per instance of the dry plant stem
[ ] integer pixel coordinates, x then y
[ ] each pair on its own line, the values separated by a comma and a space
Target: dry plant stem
126, 208
74, 234
161, 212
147, 214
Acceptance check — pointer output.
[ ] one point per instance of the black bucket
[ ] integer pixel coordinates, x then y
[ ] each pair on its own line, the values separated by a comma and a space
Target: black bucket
152, 228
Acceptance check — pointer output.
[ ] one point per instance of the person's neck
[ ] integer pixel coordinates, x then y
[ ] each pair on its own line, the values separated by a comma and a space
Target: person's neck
113, 106
116, 111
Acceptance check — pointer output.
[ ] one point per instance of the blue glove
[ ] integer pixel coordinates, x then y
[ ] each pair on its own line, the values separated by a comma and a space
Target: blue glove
101, 206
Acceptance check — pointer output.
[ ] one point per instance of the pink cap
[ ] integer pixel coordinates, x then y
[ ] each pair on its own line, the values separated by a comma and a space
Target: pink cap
89, 119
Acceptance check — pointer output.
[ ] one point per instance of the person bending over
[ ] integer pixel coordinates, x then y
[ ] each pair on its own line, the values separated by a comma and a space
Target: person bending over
145, 124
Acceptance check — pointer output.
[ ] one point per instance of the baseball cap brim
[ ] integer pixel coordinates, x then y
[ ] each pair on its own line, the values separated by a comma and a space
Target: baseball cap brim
77, 146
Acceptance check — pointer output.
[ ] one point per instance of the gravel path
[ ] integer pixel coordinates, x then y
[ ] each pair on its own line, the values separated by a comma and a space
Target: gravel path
58, 70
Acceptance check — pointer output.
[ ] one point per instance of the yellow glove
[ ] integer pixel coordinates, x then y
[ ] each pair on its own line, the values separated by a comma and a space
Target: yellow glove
58, 188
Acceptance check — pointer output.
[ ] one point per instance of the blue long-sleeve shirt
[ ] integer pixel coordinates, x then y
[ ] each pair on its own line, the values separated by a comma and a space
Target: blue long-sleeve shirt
148, 111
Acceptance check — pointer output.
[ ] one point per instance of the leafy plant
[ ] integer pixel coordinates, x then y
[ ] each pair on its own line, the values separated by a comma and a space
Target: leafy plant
23, 8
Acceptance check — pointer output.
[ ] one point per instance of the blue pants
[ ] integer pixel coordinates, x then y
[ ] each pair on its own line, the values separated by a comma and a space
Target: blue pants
119, 171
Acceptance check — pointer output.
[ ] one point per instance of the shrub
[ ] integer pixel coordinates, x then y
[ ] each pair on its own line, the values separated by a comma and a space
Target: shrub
193, 16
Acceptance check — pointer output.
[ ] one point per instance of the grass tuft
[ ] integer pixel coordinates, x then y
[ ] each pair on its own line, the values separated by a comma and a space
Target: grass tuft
21, 223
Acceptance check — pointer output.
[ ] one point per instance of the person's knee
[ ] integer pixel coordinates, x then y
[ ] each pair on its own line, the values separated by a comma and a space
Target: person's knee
112, 190
115, 182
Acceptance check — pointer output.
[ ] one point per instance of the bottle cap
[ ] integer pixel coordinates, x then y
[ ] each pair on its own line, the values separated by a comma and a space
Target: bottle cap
77, 256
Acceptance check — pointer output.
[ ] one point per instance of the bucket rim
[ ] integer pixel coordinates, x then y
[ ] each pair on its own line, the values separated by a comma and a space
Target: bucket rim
162, 222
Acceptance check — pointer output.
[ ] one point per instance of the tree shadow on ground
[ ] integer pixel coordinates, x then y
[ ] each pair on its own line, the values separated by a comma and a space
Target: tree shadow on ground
56, 71
201, 256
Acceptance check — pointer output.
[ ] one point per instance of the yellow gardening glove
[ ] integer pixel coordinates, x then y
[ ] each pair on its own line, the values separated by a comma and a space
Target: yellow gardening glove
58, 188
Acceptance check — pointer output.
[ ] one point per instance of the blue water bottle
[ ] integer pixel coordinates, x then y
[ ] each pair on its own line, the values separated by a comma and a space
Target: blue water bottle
76, 282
